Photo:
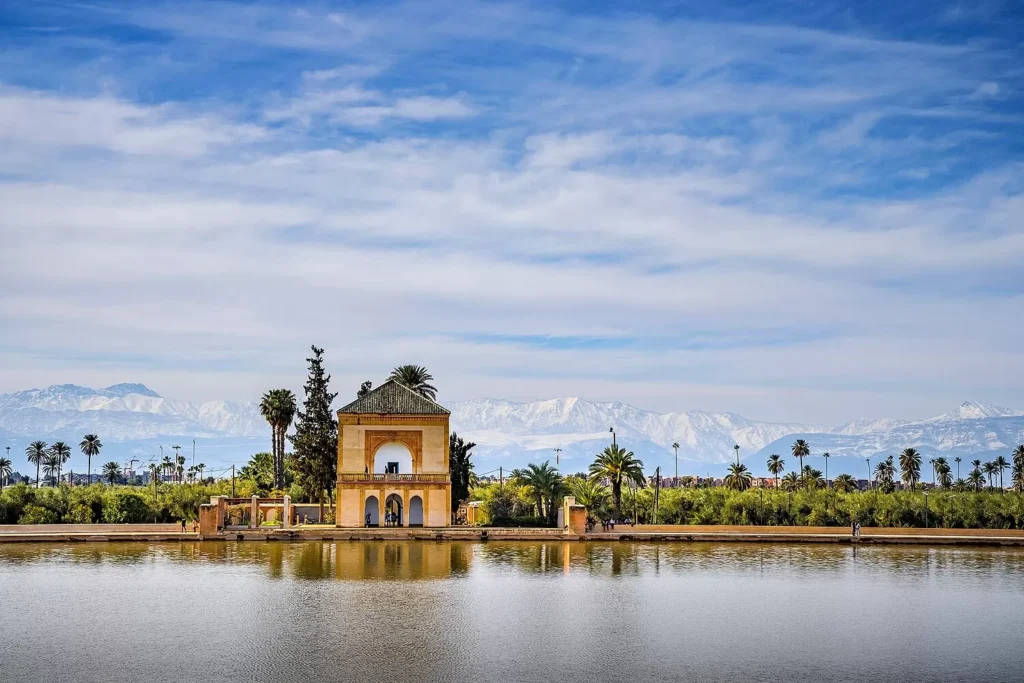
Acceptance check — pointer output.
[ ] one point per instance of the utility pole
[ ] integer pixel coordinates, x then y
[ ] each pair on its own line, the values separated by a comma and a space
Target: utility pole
156, 500
869, 471
501, 477
232, 481
193, 452
657, 491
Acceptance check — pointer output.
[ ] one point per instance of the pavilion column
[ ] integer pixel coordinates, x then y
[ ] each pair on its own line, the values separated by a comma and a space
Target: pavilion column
254, 513
287, 512
405, 507
380, 508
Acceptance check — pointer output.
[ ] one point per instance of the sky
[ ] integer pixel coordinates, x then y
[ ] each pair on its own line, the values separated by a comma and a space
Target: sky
804, 211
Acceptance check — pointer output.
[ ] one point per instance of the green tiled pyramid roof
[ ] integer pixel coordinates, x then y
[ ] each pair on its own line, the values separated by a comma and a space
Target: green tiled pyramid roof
392, 398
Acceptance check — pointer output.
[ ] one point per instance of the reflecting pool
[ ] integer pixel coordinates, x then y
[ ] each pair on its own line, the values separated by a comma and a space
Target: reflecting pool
452, 611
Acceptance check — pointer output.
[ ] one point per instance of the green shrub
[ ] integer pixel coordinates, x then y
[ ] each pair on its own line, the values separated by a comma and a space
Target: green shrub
79, 514
126, 507
37, 514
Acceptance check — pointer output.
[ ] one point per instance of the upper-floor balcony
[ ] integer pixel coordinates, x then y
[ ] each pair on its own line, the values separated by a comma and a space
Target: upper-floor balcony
438, 478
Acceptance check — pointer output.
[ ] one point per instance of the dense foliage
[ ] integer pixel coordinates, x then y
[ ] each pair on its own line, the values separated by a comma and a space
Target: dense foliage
825, 507
100, 503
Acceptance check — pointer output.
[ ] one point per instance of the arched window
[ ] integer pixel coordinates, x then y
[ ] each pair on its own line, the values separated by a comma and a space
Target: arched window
394, 456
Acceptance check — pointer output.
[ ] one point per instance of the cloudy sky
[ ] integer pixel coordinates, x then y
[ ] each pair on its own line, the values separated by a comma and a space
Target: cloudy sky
812, 213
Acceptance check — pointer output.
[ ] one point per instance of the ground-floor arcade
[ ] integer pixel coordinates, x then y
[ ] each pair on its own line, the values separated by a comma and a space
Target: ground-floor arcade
393, 504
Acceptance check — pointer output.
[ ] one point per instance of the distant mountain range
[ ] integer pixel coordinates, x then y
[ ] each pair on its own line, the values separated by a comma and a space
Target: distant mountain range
134, 421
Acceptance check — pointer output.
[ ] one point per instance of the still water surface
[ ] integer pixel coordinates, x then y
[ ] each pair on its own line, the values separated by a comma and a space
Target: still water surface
439, 611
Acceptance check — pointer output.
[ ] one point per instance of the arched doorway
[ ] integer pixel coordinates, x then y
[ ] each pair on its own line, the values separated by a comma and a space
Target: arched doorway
415, 511
393, 511
371, 511
392, 458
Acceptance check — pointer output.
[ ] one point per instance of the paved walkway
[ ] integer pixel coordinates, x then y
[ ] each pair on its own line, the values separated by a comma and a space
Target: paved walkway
57, 533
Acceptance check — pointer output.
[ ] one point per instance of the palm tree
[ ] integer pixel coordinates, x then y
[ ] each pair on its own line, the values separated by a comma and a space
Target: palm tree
1018, 453
51, 467
812, 477
36, 454
166, 465
589, 493
885, 474
618, 466
416, 378
910, 466
200, 467
989, 469
826, 455
800, 450
738, 479
675, 447
1017, 475
945, 475
90, 446
62, 452
957, 460
791, 481
5, 471
776, 465
975, 479
1000, 465
546, 485
844, 483
179, 461
938, 464
112, 472
278, 408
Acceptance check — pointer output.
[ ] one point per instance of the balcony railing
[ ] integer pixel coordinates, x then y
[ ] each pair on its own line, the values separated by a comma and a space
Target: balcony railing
429, 478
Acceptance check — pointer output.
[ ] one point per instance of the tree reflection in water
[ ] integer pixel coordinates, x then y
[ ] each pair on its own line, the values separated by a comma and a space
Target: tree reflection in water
432, 560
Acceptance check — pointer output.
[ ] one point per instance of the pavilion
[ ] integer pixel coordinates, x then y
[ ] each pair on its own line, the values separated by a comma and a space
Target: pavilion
393, 460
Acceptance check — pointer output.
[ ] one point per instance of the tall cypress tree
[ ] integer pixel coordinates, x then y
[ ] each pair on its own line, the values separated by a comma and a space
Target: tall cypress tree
315, 442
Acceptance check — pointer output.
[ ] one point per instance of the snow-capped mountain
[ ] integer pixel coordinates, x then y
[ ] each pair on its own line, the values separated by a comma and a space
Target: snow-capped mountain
580, 428
520, 432
122, 412
135, 421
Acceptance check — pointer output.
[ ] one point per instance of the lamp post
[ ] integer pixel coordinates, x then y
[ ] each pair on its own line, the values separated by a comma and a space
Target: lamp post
868, 460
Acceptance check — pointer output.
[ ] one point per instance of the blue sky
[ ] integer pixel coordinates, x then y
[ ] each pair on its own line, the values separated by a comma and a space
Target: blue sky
806, 212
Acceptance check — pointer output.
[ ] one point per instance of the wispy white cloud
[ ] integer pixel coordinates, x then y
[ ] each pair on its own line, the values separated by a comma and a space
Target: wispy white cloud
740, 214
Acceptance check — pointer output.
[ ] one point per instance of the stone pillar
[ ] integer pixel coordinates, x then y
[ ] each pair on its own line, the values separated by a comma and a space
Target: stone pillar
287, 510
254, 513
211, 517
575, 517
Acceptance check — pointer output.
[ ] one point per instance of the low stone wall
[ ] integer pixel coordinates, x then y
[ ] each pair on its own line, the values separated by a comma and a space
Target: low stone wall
807, 530
36, 529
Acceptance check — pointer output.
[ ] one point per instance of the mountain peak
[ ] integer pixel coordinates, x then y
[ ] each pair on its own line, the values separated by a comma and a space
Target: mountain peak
125, 388
976, 410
